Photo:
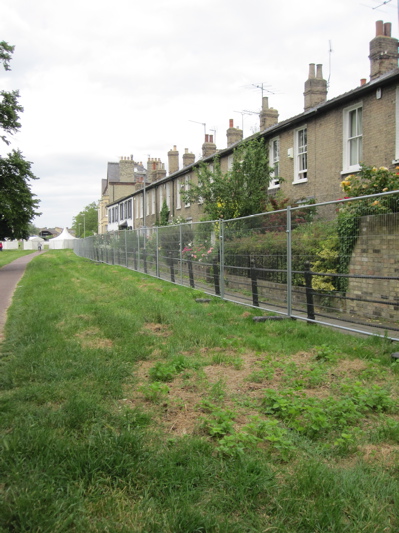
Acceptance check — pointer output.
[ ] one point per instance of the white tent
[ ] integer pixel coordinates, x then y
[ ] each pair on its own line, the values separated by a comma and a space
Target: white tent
33, 243
10, 245
65, 240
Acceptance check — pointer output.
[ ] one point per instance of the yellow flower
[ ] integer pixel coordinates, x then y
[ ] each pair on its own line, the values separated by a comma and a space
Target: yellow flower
375, 203
374, 169
383, 168
384, 190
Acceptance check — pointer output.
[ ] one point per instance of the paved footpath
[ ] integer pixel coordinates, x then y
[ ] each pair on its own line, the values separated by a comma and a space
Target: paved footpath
9, 277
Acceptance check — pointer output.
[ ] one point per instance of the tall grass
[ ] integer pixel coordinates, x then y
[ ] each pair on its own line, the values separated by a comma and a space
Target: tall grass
82, 449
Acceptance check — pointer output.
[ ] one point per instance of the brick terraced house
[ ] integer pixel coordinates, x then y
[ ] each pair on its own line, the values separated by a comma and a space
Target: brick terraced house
312, 151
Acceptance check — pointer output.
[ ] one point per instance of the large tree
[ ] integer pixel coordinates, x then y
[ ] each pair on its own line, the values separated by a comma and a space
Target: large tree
18, 205
239, 192
85, 223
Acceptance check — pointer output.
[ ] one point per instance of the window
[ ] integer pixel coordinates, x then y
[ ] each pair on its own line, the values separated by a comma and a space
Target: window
187, 188
353, 138
121, 212
129, 209
301, 155
178, 195
153, 199
168, 202
274, 161
160, 198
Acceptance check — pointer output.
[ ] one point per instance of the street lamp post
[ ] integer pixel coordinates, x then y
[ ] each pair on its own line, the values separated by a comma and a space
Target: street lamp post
84, 226
80, 233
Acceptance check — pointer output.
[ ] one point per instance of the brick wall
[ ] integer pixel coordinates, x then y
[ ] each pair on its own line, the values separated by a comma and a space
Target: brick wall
376, 253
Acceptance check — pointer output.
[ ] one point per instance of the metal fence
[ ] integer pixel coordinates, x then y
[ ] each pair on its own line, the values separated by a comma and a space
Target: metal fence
334, 263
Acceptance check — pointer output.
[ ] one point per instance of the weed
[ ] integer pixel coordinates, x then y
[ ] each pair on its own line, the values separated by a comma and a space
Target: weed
154, 392
219, 422
218, 390
325, 353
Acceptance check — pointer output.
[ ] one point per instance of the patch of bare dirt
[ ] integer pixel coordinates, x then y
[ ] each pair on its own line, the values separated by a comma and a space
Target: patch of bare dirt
350, 366
161, 330
91, 338
179, 410
387, 454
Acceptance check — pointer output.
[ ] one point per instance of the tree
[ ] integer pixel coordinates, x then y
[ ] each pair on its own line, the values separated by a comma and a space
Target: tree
18, 205
240, 192
164, 214
86, 222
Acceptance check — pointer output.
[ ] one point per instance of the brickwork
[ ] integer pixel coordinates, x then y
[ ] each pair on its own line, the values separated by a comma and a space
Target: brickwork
376, 253
126, 170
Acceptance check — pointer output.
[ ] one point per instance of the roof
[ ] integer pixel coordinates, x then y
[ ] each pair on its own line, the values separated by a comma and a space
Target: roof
113, 172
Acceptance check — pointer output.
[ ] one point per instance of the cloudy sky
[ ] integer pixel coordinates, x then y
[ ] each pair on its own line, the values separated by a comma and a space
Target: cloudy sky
101, 79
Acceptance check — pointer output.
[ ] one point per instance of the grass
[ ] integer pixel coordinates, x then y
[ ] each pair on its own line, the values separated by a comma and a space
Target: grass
7, 256
128, 406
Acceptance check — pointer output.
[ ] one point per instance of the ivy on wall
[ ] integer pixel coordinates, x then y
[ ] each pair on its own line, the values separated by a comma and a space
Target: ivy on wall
370, 180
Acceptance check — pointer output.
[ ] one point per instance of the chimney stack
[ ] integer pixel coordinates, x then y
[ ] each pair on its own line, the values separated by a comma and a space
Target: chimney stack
188, 158
208, 148
383, 50
155, 170
173, 160
126, 169
315, 87
234, 135
268, 116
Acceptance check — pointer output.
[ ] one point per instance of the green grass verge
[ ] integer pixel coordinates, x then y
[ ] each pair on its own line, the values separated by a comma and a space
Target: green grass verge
7, 256
127, 406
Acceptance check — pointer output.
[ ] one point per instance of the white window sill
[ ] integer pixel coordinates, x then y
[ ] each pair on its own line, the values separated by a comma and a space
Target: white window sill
274, 186
297, 182
351, 170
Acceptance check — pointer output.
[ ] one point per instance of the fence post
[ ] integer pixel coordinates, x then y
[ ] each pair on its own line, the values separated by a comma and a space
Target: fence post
157, 254
172, 269
145, 260
309, 292
254, 283
180, 253
216, 275
289, 263
221, 257
126, 258
190, 272
138, 250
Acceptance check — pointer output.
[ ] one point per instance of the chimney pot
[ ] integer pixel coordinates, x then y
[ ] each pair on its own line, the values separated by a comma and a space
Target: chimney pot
231, 123
363, 81
379, 28
211, 138
311, 71
387, 29
319, 74
206, 137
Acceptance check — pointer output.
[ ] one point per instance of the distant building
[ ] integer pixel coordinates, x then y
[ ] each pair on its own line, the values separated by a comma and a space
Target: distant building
121, 181
49, 233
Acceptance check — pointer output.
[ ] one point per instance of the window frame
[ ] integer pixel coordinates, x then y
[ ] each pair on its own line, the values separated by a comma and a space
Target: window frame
299, 154
347, 166
274, 162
